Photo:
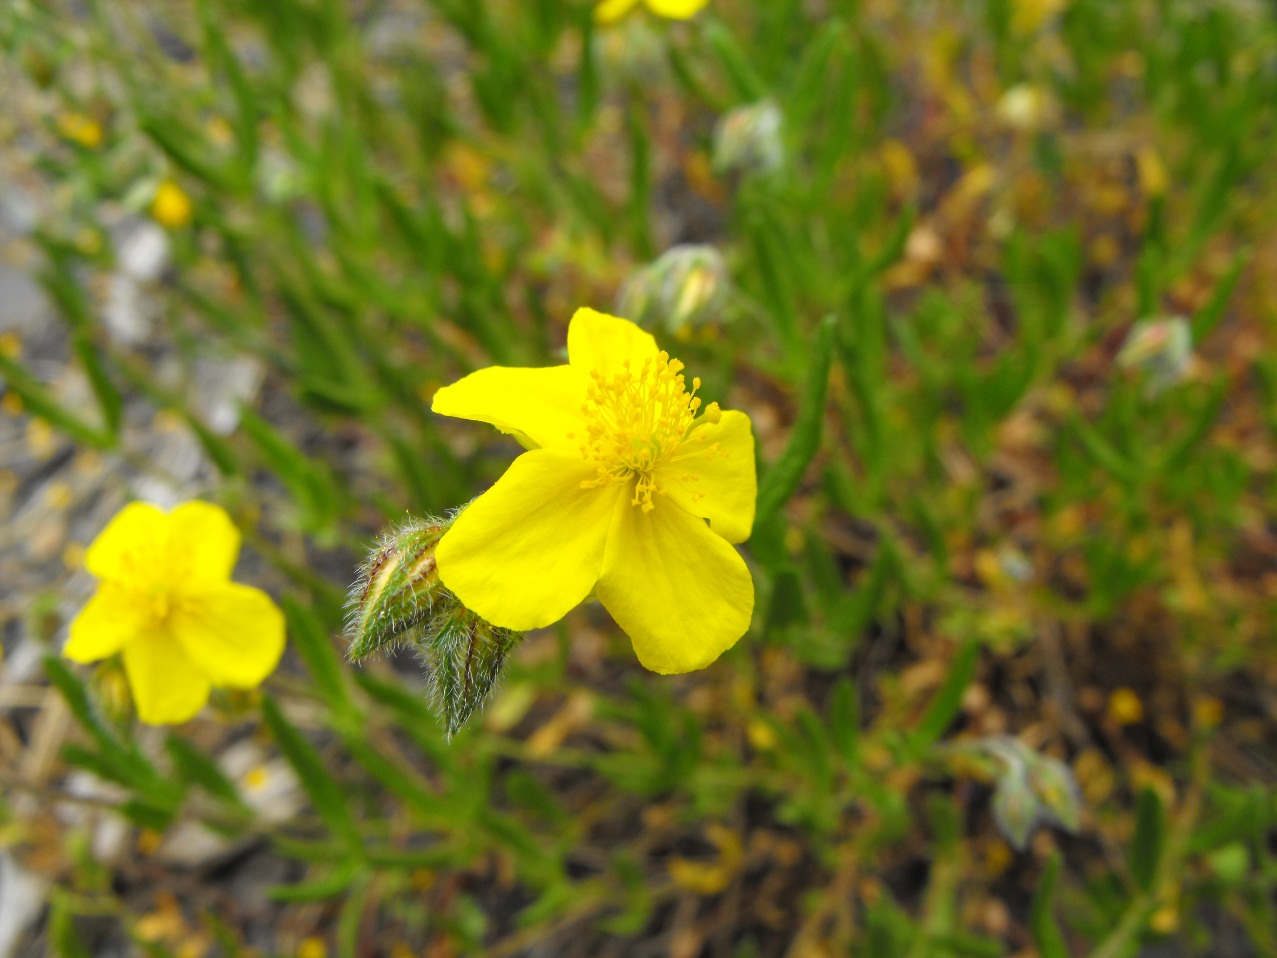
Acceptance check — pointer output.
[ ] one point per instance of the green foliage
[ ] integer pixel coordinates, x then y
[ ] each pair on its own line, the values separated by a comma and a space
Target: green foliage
972, 522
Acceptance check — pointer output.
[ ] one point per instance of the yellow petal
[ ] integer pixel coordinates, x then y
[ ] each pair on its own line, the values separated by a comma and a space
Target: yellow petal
195, 543
530, 548
681, 593
109, 620
609, 11
599, 341
132, 548
542, 404
167, 687
233, 633
677, 9
713, 476
204, 545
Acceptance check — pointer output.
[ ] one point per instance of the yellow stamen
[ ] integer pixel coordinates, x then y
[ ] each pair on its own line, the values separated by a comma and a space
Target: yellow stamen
636, 421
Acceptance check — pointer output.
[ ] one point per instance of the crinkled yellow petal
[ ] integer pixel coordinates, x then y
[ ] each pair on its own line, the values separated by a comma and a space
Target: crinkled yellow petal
609, 11
681, 593
597, 341
108, 620
713, 475
233, 633
677, 9
530, 548
542, 404
167, 686
203, 543
133, 548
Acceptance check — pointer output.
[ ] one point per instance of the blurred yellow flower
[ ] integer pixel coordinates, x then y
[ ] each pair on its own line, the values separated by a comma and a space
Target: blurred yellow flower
609, 11
171, 207
165, 600
623, 472
81, 129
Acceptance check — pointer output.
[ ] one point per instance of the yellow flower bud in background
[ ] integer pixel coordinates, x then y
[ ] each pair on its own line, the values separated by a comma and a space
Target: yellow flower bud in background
171, 207
81, 129
685, 289
748, 139
1162, 350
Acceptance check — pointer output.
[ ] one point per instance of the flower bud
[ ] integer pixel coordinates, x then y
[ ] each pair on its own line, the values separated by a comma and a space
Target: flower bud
396, 589
1015, 809
748, 139
1031, 789
398, 599
1161, 349
1056, 790
683, 290
1026, 108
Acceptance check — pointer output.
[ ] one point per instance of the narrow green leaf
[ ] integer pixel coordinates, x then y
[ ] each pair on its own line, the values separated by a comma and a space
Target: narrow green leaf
40, 402
1046, 933
336, 882
330, 801
944, 707
316, 648
745, 83
844, 720
782, 479
1208, 317
1149, 840
196, 768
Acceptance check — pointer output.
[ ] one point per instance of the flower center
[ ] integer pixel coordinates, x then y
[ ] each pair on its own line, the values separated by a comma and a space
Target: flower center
636, 420
160, 606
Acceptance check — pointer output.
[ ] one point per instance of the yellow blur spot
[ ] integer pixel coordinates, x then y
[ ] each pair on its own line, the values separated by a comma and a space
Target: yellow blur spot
256, 778
10, 345
1165, 920
148, 841
73, 556
41, 440
57, 495
710, 878
11, 405
312, 947
171, 207
1125, 707
1208, 712
761, 735
1152, 172
80, 129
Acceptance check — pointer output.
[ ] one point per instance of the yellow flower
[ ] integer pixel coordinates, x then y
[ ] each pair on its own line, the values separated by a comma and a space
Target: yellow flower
81, 129
171, 207
623, 472
609, 11
165, 600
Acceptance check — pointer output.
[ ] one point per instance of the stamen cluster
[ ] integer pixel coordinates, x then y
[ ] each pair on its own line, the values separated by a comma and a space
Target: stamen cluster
636, 421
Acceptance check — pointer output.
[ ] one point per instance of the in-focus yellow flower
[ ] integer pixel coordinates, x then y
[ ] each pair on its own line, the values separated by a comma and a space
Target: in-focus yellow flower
624, 472
609, 11
166, 601
171, 207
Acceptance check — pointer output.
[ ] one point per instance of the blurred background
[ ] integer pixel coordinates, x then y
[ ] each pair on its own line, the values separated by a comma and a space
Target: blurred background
996, 282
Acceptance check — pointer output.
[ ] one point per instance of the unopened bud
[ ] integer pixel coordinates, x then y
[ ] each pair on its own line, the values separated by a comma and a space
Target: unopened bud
1161, 349
1031, 789
1057, 791
685, 289
1027, 108
1015, 809
398, 599
396, 589
748, 139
